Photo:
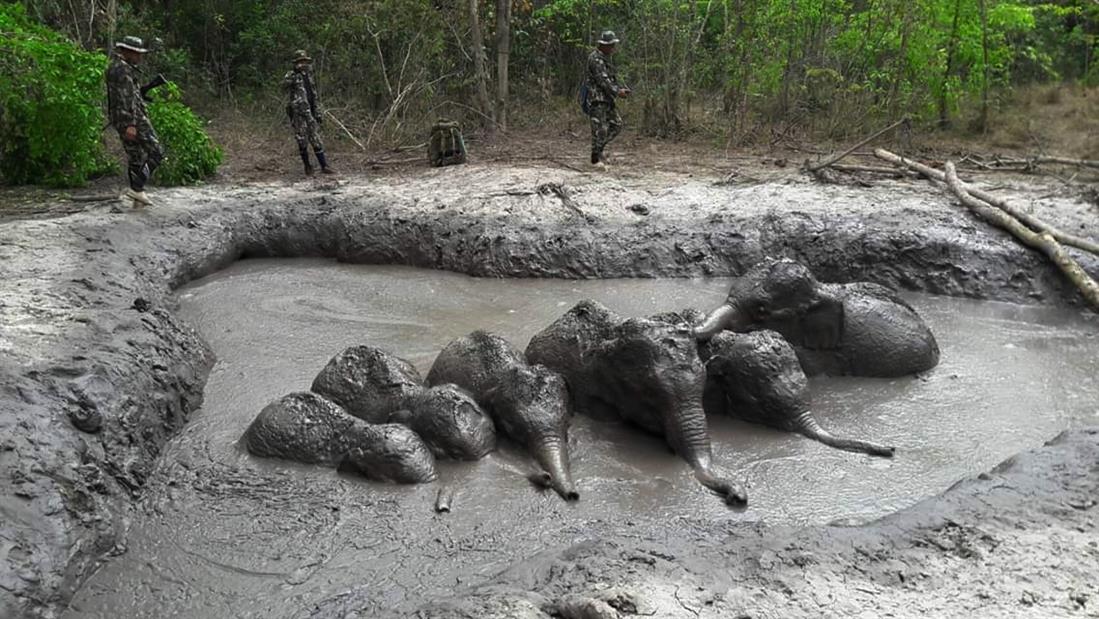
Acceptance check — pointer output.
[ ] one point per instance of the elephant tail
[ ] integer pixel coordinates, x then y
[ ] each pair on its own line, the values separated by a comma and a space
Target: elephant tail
553, 455
808, 426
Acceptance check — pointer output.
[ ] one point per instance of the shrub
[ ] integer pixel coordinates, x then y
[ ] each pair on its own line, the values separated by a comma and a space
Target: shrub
50, 113
190, 154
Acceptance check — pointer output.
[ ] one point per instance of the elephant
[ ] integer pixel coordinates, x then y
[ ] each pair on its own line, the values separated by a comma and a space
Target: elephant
647, 372
309, 428
450, 421
368, 382
860, 329
529, 404
756, 376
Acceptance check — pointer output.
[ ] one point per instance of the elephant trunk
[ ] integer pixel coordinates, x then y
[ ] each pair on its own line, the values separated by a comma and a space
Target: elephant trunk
689, 435
724, 317
552, 454
808, 426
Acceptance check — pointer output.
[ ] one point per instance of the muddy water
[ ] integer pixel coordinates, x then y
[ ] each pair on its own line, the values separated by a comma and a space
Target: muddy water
225, 534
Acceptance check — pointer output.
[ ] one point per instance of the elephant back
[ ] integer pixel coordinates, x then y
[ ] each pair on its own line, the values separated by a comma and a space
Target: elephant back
368, 382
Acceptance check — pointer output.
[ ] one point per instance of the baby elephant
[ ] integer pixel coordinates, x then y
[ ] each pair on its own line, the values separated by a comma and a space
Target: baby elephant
450, 421
756, 377
861, 329
379, 387
368, 382
644, 371
308, 428
529, 404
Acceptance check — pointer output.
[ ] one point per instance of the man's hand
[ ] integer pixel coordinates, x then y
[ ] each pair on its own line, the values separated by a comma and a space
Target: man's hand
130, 133
623, 92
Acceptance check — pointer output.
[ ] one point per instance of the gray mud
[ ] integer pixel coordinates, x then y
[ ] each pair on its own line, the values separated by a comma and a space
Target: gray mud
98, 372
275, 536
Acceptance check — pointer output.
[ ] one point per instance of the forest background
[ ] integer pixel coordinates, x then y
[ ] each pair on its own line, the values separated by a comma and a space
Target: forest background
732, 73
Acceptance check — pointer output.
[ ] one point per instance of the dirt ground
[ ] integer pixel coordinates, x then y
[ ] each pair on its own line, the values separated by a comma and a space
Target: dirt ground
99, 372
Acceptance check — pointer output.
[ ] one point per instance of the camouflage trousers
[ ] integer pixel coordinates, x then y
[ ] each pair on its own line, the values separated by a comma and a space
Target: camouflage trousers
306, 132
605, 126
143, 155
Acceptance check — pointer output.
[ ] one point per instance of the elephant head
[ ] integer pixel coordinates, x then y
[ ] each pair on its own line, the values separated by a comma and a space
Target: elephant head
529, 404
651, 373
759, 379
782, 295
309, 428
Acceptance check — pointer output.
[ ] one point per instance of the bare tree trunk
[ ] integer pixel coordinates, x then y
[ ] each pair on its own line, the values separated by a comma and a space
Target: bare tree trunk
982, 122
944, 116
503, 51
902, 64
488, 119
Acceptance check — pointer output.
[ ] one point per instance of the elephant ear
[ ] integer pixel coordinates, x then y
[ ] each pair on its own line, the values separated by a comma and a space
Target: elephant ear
821, 326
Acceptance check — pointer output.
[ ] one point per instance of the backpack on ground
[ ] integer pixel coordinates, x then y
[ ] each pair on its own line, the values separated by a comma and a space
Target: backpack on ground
446, 146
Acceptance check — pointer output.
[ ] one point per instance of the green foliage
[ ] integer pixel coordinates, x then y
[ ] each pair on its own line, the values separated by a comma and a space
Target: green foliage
191, 154
829, 66
50, 114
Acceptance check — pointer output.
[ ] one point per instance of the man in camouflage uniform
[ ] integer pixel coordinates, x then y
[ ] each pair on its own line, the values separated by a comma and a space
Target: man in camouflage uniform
603, 89
126, 109
304, 111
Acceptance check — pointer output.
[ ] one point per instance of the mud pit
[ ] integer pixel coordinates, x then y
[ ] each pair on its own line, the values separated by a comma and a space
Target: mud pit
232, 535
100, 373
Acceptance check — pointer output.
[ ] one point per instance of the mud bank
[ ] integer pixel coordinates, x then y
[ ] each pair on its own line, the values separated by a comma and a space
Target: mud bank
98, 372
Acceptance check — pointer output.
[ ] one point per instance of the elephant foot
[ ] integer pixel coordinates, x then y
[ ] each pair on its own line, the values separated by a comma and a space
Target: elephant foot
732, 492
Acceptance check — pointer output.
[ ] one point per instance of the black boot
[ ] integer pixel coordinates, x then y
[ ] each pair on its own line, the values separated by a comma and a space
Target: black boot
324, 162
594, 157
305, 159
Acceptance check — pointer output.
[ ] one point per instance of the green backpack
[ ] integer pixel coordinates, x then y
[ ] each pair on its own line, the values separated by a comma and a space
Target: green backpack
446, 146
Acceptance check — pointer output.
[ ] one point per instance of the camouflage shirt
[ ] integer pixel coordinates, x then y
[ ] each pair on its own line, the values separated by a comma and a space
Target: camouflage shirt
302, 93
125, 107
602, 78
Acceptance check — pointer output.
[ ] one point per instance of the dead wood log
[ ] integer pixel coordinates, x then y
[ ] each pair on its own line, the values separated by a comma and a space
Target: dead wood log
842, 167
92, 198
831, 160
1030, 162
1042, 241
562, 192
1004, 205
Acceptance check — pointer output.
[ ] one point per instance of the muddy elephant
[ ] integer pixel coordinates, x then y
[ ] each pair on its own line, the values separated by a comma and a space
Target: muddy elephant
528, 404
368, 382
309, 428
756, 376
860, 329
450, 421
647, 372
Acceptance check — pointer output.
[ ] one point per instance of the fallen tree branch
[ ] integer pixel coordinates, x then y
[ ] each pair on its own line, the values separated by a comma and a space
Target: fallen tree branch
1030, 162
1027, 218
92, 198
842, 167
345, 130
831, 160
1042, 241
562, 194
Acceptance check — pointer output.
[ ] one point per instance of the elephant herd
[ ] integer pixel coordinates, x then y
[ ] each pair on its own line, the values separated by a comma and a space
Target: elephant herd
371, 412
